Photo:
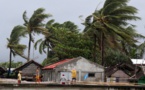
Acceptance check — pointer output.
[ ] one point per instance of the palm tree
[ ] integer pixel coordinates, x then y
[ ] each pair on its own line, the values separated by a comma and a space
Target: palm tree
13, 44
48, 41
35, 25
109, 24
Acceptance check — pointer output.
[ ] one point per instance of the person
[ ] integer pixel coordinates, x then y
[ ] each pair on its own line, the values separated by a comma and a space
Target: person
63, 80
37, 75
19, 77
74, 75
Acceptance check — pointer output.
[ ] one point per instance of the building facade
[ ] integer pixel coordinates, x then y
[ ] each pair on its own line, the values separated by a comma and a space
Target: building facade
28, 69
86, 70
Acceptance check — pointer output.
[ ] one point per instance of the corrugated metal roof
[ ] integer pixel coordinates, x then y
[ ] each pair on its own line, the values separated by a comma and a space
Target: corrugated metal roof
52, 66
138, 61
26, 64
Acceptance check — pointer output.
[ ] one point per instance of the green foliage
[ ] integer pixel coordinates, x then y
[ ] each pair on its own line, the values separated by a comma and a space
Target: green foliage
109, 28
116, 57
35, 25
71, 44
108, 35
50, 60
13, 64
13, 42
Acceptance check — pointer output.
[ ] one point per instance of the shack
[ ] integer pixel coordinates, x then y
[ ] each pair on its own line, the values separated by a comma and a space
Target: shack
86, 70
2, 71
123, 73
28, 69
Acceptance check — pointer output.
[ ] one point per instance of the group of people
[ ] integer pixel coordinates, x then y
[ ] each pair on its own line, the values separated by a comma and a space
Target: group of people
63, 79
38, 77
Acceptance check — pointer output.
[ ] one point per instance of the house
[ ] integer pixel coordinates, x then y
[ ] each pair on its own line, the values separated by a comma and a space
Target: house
86, 70
28, 69
123, 73
2, 71
139, 62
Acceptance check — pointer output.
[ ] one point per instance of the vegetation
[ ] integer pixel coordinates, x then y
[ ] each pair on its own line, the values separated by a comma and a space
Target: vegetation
13, 64
34, 25
13, 44
109, 28
108, 36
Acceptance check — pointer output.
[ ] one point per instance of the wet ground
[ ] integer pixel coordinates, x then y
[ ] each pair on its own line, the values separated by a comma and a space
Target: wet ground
14, 81
11, 84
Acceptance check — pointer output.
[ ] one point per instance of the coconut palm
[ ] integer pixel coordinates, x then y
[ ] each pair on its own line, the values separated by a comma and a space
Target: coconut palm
47, 42
108, 25
13, 44
35, 25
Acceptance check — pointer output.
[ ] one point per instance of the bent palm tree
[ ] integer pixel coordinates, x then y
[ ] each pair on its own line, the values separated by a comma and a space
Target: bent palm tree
13, 43
108, 24
35, 25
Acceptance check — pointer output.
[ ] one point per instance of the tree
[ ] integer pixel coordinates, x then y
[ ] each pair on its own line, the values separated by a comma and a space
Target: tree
13, 43
35, 25
13, 64
46, 44
108, 25
63, 41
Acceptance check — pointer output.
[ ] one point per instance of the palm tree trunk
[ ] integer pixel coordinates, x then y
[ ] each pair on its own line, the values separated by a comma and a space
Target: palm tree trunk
102, 54
94, 54
10, 63
102, 49
22, 55
48, 52
29, 47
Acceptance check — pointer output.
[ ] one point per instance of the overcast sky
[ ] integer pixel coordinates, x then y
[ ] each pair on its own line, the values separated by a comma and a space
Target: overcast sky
62, 10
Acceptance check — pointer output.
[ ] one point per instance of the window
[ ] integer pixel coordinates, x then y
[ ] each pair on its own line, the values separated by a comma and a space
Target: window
91, 75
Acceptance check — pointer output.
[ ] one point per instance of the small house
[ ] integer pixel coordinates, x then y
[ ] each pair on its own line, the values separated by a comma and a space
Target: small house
139, 62
2, 71
123, 73
28, 69
86, 70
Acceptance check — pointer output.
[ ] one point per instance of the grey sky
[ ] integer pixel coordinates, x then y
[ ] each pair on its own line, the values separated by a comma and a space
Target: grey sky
62, 10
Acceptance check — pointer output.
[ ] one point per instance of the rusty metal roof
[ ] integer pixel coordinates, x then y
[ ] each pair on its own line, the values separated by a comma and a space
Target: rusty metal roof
52, 66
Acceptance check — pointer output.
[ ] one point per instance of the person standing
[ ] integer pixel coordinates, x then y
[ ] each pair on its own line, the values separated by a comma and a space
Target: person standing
63, 80
74, 75
19, 77
37, 75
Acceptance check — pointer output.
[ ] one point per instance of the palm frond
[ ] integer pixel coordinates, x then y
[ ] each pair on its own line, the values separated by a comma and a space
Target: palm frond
37, 42
119, 32
107, 2
25, 18
42, 30
41, 47
37, 17
17, 33
123, 10
111, 7
49, 23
